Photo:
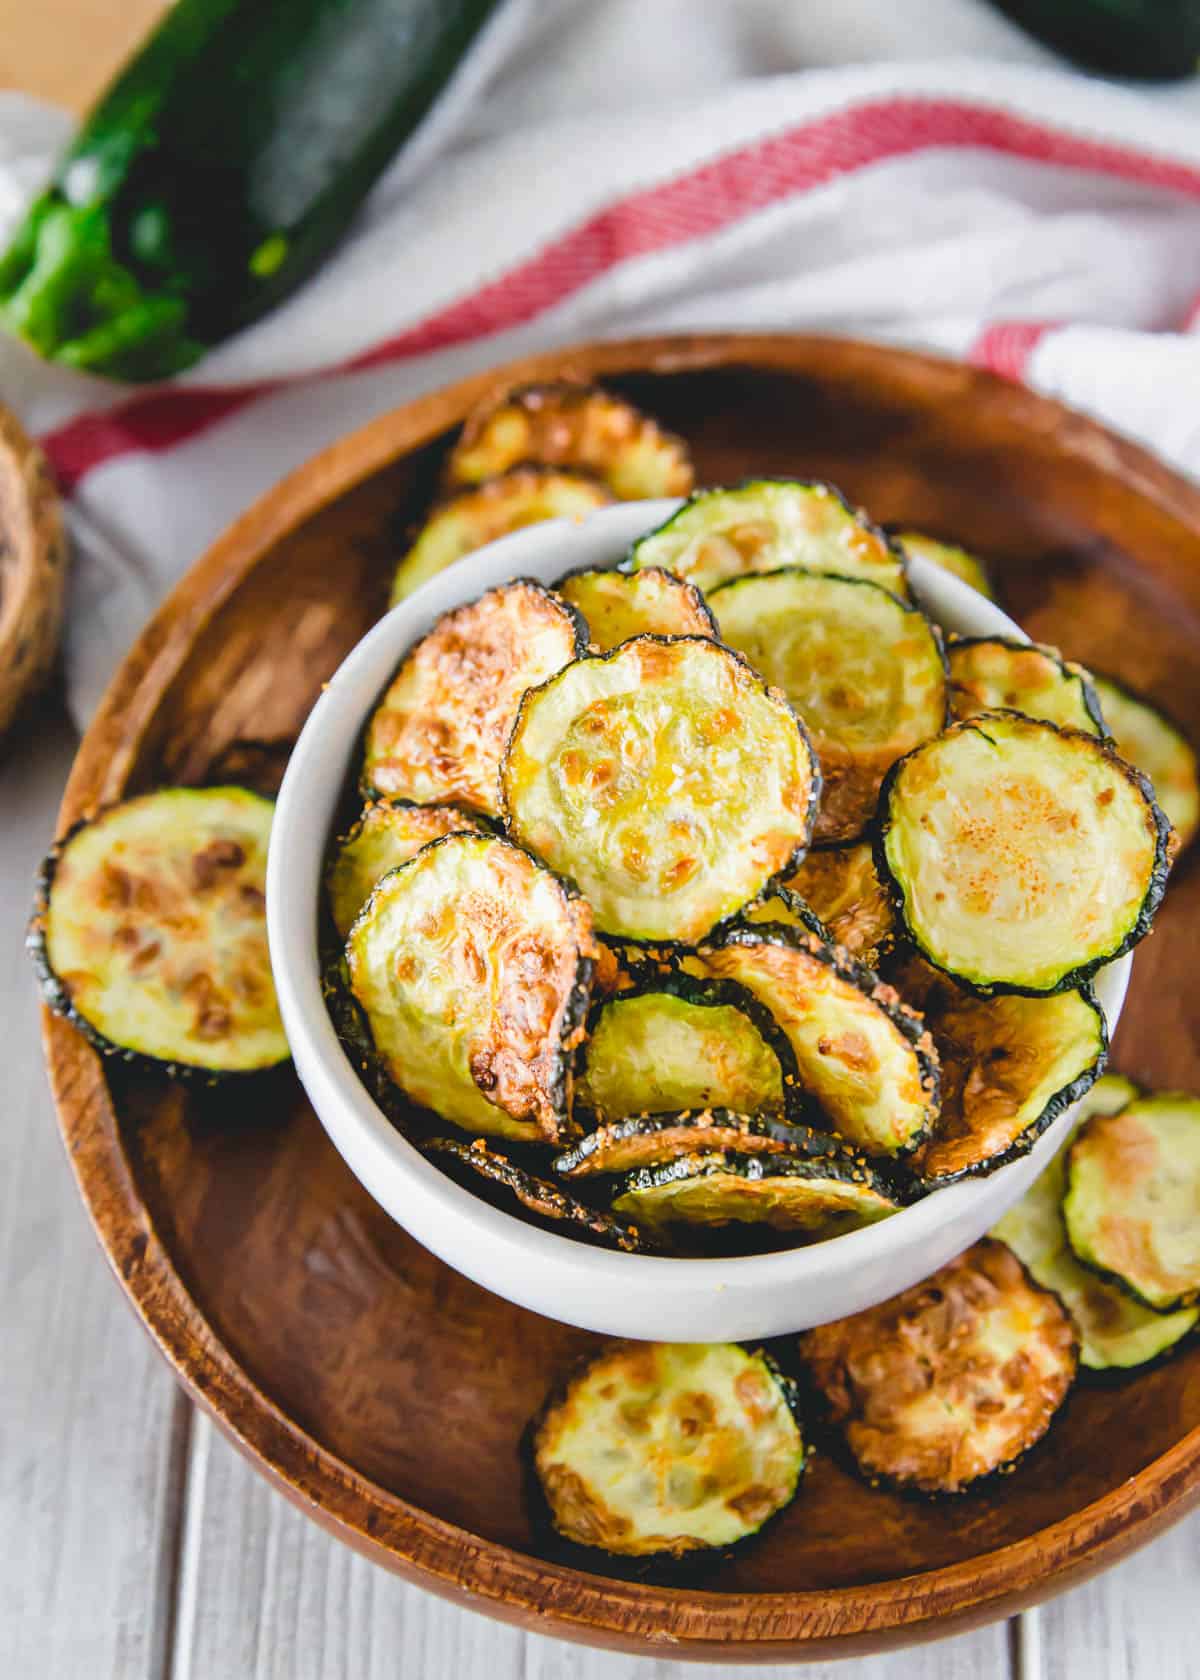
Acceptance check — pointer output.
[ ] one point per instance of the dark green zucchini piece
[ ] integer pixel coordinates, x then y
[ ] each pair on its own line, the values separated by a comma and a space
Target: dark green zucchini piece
480, 515
817, 1197
1154, 40
1023, 857
861, 1053
468, 1163
150, 936
959, 562
618, 605
841, 885
1147, 737
439, 731
474, 968
574, 427
658, 1449
991, 673
764, 525
219, 170
665, 779
1115, 1331
1132, 1204
388, 833
644, 1140
865, 671
952, 1380
780, 905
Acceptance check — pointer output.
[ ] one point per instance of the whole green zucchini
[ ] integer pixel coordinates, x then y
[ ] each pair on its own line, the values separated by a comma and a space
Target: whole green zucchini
1153, 40
218, 170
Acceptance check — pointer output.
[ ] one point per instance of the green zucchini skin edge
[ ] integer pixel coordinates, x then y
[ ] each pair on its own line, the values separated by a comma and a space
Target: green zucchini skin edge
805, 1139
57, 999
698, 602
1087, 689
843, 1164
1076, 977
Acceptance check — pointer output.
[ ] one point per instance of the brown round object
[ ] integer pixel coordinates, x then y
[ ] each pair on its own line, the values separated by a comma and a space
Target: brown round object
33, 568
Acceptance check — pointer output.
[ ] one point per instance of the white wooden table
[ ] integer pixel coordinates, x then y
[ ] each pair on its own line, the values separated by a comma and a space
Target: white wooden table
136, 1545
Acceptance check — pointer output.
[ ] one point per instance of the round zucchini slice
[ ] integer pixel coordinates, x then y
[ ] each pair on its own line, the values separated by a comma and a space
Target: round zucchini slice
815, 1196
951, 1381
643, 1140
1115, 1331
388, 833
561, 424
666, 779
865, 671
1132, 1207
1146, 737
474, 967
959, 562
841, 885
438, 733
150, 932
765, 525
1023, 856
470, 1163
618, 605
474, 517
668, 1448
866, 1058
991, 673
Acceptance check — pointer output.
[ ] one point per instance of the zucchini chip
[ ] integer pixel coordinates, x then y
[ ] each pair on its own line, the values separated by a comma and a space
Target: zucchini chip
666, 1448
1023, 856
865, 671
990, 673
480, 515
767, 524
467, 1163
439, 731
670, 1042
779, 905
841, 886
865, 1057
1132, 1207
618, 605
959, 562
150, 932
666, 779
950, 1381
1115, 1332
643, 1140
1147, 738
388, 833
474, 966
818, 1196
573, 426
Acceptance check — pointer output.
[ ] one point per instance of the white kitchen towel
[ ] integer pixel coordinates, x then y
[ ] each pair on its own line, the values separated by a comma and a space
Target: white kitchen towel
625, 166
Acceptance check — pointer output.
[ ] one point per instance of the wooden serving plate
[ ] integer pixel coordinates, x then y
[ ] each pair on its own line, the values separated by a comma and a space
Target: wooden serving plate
385, 1394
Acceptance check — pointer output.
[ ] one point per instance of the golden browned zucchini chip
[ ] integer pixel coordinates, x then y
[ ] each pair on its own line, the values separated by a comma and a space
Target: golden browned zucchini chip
952, 1380
388, 833
643, 1140
841, 885
470, 1163
959, 562
1147, 737
815, 1196
618, 605
991, 673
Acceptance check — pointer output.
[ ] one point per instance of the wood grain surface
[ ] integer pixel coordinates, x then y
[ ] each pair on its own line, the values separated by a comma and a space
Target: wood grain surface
33, 569
386, 1394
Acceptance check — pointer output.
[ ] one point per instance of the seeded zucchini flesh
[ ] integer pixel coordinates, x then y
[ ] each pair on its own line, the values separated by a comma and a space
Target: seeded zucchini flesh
1147, 738
618, 605
816, 1197
665, 779
511, 1184
950, 1381
990, 673
959, 562
645, 1140
387, 834
667, 1448
151, 931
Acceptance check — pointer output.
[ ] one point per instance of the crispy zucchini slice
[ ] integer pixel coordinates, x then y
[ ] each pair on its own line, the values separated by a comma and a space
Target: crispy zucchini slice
1132, 1205
525, 496
990, 673
150, 934
562, 424
815, 1196
1023, 857
959, 562
950, 1381
468, 1163
865, 671
767, 524
1147, 737
666, 779
474, 967
667, 1448
439, 731
388, 833
866, 1058
781, 906
618, 605
1115, 1332
643, 1140
841, 885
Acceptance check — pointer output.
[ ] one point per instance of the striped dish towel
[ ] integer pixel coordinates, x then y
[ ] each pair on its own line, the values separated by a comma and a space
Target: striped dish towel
632, 168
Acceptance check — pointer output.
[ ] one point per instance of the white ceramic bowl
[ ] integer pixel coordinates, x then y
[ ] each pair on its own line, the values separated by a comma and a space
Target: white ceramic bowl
619, 1294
